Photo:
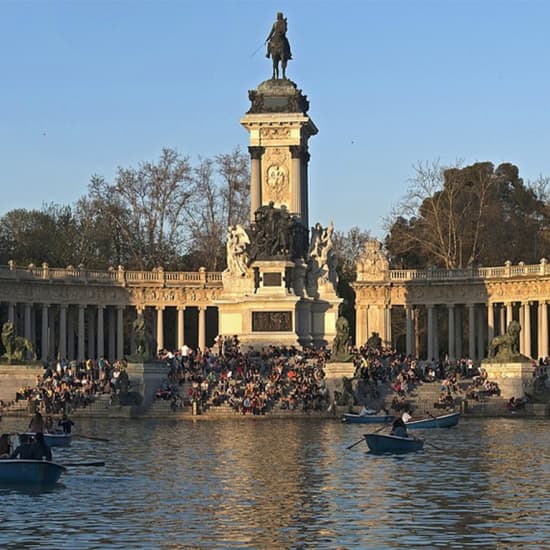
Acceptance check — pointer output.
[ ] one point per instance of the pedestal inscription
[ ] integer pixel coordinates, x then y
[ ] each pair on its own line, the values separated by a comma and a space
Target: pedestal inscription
271, 321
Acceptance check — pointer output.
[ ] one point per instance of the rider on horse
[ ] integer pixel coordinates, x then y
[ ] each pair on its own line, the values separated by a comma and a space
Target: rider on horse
277, 44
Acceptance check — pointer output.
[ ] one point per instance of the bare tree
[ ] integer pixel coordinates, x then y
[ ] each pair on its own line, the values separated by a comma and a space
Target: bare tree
148, 204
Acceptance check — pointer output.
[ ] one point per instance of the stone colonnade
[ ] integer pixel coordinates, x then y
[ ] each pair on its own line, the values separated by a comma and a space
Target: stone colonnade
78, 313
455, 330
92, 331
436, 313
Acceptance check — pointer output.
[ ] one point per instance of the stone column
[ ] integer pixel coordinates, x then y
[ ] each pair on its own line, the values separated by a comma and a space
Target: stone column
51, 333
522, 324
112, 334
255, 179
430, 332
435, 331
471, 332
62, 331
509, 314
11, 313
120, 332
296, 180
33, 326
100, 332
202, 327
452, 335
459, 330
543, 329
305, 184
181, 327
91, 333
44, 339
502, 319
387, 325
160, 327
490, 322
410, 330
70, 333
527, 329
480, 332
28, 324
81, 337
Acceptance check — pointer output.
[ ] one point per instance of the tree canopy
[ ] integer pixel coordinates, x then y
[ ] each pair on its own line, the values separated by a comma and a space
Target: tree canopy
474, 215
163, 213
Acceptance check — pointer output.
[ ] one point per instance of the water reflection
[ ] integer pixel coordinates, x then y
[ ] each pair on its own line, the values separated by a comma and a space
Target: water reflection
289, 484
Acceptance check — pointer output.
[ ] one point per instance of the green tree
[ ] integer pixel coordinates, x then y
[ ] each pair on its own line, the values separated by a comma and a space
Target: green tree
462, 216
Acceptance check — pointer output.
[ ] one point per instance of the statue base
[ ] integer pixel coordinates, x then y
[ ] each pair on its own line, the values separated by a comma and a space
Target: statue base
334, 376
514, 379
146, 378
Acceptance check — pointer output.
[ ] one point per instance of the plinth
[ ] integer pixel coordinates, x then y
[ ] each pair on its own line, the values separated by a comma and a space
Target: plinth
514, 378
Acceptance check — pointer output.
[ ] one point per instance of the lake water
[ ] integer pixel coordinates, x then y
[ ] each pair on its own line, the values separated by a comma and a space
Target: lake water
265, 483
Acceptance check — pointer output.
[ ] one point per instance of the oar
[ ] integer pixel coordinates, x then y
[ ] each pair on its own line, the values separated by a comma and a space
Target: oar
434, 446
92, 438
363, 439
76, 464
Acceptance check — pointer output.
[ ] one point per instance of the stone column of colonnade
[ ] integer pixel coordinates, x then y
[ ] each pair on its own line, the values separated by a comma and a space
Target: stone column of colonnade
255, 179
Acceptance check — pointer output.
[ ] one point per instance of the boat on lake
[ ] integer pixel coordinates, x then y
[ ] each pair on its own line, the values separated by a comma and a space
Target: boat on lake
444, 421
19, 471
352, 418
53, 439
381, 443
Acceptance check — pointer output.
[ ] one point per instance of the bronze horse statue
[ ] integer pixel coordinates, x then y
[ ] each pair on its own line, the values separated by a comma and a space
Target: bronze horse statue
278, 47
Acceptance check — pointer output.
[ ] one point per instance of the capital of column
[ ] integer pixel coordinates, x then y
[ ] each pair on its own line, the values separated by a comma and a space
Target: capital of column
181, 308
296, 151
160, 308
256, 152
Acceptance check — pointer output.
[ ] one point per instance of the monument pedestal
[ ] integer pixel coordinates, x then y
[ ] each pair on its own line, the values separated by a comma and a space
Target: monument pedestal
335, 373
513, 378
146, 378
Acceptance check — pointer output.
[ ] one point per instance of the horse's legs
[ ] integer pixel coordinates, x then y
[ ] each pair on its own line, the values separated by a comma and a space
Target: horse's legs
283, 65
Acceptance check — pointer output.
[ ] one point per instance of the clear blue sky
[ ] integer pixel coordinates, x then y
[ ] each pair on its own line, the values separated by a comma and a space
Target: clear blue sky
87, 86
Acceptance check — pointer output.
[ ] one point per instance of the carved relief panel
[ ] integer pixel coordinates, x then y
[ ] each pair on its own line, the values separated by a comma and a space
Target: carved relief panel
276, 177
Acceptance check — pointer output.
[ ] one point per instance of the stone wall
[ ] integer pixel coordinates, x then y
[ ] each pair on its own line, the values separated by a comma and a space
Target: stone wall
12, 377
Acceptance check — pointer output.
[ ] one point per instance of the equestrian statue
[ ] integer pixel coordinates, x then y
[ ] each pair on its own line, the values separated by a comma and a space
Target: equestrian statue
278, 47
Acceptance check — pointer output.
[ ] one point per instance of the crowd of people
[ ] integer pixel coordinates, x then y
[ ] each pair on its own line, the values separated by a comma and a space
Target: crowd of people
73, 384
249, 382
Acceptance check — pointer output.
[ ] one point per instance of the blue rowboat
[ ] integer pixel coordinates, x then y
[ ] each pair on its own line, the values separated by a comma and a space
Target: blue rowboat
444, 421
351, 418
56, 439
380, 443
29, 472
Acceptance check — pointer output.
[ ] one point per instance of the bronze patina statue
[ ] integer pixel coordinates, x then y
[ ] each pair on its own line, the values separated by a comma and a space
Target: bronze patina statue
505, 348
278, 47
17, 348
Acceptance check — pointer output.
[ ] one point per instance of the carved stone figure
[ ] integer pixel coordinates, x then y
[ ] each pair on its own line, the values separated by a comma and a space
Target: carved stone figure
341, 341
275, 233
278, 47
373, 263
17, 348
322, 260
145, 343
505, 348
237, 255
374, 341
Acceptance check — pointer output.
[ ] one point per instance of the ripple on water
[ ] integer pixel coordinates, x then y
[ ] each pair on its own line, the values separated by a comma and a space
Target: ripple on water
289, 484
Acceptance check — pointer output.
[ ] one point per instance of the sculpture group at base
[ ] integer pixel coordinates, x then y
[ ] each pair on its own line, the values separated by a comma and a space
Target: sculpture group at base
18, 349
505, 348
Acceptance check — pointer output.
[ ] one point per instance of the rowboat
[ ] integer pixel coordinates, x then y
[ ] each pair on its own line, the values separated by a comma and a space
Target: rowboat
380, 443
444, 421
352, 418
54, 439
29, 472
